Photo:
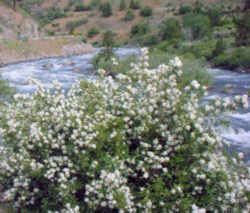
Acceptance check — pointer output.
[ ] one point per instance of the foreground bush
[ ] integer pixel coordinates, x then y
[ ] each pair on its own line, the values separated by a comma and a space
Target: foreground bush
139, 143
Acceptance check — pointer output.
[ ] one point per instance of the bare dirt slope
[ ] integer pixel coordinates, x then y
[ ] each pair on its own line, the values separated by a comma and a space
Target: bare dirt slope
13, 23
20, 39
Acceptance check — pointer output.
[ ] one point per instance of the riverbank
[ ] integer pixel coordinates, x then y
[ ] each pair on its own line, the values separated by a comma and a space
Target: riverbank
15, 51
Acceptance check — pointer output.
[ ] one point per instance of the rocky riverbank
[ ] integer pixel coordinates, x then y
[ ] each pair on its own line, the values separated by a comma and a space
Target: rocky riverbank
14, 51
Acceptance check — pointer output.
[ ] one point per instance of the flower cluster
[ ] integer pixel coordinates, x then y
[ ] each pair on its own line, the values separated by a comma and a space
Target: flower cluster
137, 143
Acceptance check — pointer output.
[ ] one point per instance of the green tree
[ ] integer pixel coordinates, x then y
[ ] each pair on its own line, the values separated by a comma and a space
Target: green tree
199, 24
122, 5
102, 59
242, 35
214, 14
106, 9
220, 47
146, 11
92, 32
139, 29
108, 43
170, 29
134, 4
130, 15
198, 7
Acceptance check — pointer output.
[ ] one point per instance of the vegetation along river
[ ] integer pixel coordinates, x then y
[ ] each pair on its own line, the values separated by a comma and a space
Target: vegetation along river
68, 70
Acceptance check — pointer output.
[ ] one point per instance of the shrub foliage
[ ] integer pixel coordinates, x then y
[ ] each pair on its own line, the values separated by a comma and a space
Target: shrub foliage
199, 24
129, 16
139, 143
92, 32
146, 11
170, 29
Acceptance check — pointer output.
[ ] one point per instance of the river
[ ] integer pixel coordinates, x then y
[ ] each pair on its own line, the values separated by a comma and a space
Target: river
68, 70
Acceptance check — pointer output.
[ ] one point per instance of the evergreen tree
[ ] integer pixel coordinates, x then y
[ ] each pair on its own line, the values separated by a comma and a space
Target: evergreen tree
134, 4
106, 9
122, 5
108, 44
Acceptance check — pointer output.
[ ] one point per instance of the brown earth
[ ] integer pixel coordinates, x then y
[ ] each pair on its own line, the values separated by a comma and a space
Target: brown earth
114, 22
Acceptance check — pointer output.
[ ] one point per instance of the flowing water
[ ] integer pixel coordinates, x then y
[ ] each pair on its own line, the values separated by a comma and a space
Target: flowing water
229, 84
68, 70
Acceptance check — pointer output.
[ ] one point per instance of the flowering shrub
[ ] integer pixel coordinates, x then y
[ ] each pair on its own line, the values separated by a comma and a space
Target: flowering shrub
139, 143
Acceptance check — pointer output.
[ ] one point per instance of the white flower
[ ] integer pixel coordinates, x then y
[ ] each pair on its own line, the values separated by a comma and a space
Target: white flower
241, 155
176, 62
245, 101
195, 84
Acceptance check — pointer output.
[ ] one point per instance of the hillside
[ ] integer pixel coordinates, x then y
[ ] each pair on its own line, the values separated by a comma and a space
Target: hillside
62, 17
39, 28
22, 39
17, 22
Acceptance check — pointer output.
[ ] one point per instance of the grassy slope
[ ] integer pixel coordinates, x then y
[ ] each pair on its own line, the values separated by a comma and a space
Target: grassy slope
115, 22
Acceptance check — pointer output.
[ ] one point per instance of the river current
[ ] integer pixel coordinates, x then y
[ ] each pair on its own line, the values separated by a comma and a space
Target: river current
68, 70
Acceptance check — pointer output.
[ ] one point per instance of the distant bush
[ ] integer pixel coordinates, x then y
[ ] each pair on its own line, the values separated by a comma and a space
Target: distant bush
185, 9
150, 40
71, 25
146, 11
55, 13
198, 7
103, 58
199, 25
108, 43
122, 5
96, 44
55, 24
220, 48
51, 32
81, 7
113, 66
50, 15
139, 29
201, 49
215, 14
106, 9
242, 35
130, 15
84, 39
93, 31
95, 3
239, 58
170, 29
134, 4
